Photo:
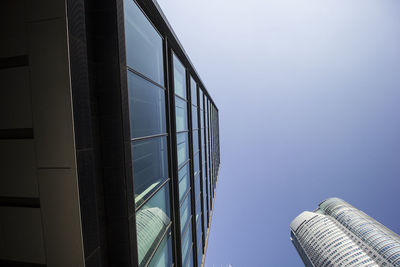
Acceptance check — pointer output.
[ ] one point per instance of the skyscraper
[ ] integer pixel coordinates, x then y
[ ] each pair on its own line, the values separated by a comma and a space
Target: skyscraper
338, 234
109, 139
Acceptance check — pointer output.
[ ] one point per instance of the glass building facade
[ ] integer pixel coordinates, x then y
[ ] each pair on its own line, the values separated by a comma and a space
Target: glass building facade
174, 141
108, 138
337, 234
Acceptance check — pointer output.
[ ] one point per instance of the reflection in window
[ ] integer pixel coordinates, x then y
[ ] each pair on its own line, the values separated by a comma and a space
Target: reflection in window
179, 78
163, 256
146, 106
152, 220
143, 44
182, 148
181, 115
184, 181
150, 166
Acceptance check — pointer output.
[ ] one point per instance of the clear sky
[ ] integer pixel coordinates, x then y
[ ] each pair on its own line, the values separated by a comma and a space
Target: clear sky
309, 99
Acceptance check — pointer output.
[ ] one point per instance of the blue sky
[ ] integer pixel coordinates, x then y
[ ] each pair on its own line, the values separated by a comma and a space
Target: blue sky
308, 93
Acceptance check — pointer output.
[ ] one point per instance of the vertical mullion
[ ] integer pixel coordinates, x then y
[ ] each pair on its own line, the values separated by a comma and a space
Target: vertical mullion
174, 161
206, 161
199, 135
191, 155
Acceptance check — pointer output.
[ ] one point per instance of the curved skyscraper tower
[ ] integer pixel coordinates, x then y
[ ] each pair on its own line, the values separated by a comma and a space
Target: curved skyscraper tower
337, 234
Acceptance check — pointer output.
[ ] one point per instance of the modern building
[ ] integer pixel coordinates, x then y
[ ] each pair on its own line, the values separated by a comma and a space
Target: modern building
337, 234
109, 139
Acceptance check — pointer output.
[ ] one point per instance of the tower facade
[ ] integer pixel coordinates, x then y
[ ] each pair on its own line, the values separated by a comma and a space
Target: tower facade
338, 234
109, 139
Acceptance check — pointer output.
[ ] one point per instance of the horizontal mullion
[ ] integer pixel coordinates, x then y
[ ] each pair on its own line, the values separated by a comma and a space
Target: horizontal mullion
152, 194
183, 99
148, 137
184, 131
183, 165
145, 77
187, 226
185, 196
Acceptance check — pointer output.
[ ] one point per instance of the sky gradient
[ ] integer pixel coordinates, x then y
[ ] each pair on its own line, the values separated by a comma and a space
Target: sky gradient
308, 95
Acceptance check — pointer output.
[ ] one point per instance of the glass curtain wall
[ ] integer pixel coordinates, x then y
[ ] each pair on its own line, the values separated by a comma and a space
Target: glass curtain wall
197, 148
147, 96
204, 162
182, 151
196, 169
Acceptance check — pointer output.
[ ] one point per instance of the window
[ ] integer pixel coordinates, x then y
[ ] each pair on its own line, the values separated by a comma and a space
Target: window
182, 148
143, 44
195, 136
185, 213
152, 222
146, 106
150, 166
181, 115
184, 181
193, 90
186, 244
163, 256
195, 124
179, 78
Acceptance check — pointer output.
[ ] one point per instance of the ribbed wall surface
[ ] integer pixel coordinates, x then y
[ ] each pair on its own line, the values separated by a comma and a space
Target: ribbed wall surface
326, 243
382, 240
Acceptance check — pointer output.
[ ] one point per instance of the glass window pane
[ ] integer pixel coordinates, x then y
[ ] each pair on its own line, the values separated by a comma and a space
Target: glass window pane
205, 203
152, 221
182, 147
179, 78
189, 260
150, 166
195, 135
195, 123
196, 163
163, 256
197, 186
186, 243
184, 181
185, 212
146, 107
193, 91
144, 48
202, 119
181, 115
199, 254
201, 98
199, 234
198, 205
